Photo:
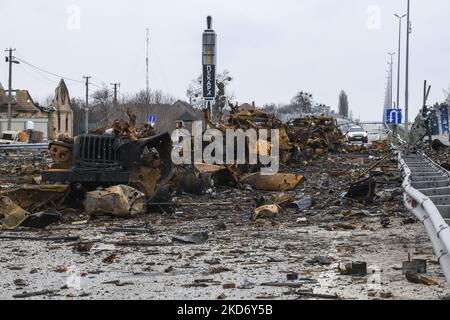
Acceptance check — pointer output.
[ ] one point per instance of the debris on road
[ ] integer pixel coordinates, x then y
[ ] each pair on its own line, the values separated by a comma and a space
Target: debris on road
322, 260
359, 269
276, 182
35, 294
194, 238
420, 279
110, 259
119, 201
229, 286
292, 276
266, 212
414, 266
303, 204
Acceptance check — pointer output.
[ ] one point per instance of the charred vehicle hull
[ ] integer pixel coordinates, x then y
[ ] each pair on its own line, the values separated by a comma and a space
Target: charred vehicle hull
108, 160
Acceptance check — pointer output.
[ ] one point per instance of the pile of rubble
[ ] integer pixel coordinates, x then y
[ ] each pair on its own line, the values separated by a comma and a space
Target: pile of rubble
124, 173
316, 135
22, 166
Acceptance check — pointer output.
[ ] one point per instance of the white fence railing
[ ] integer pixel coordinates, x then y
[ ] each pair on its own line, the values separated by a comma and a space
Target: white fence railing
427, 212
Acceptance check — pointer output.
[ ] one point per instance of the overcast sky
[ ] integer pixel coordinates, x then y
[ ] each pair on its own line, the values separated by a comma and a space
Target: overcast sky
272, 48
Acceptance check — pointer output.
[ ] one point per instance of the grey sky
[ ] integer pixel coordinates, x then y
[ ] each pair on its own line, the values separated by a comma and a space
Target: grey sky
273, 48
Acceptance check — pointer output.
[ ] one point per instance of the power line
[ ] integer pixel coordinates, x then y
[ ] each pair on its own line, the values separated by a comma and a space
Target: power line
48, 72
55, 74
37, 73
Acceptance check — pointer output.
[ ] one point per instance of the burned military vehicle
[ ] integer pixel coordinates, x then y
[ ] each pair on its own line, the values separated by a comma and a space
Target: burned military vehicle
94, 160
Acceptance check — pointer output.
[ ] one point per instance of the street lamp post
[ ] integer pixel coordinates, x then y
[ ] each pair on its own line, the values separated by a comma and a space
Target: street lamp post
399, 55
408, 32
391, 67
391, 85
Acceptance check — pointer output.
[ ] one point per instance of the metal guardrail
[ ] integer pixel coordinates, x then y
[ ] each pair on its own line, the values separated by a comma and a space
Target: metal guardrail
427, 195
18, 147
390, 132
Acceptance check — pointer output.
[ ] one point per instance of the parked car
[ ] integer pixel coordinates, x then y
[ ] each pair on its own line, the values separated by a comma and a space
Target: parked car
356, 134
9, 137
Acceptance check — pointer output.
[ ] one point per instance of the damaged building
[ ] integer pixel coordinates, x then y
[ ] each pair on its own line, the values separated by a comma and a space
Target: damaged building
50, 121
61, 119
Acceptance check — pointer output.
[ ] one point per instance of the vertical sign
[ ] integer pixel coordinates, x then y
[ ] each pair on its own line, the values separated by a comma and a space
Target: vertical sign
209, 62
152, 120
209, 82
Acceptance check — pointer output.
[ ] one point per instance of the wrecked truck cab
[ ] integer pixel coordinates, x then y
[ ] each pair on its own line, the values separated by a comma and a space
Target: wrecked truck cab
106, 160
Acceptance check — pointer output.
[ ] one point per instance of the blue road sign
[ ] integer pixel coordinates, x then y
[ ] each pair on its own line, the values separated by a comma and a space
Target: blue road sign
394, 116
152, 119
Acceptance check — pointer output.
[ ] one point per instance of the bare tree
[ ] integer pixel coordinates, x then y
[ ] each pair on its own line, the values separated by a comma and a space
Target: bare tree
102, 105
194, 91
303, 102
143, 103
79, 114
145, 97
270, 108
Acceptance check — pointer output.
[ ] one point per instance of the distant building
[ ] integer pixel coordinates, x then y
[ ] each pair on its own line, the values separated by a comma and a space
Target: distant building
182, 105
167, 115
321, 109
186, 120
248, 107
51, 121
317, 110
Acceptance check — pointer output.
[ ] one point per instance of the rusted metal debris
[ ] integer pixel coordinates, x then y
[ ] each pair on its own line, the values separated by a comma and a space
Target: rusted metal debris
266, 212
35, 198
317, 135
13, 215
363, 191
420, 279
119, 201
276, 182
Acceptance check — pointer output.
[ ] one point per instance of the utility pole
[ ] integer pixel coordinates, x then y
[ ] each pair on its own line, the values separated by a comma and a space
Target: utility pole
399, 55
115, 85
10, 59
408, 32
147, 77
87, 105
